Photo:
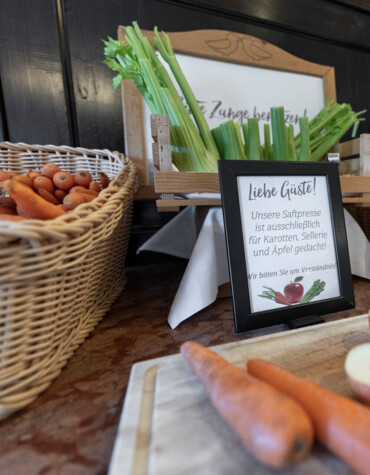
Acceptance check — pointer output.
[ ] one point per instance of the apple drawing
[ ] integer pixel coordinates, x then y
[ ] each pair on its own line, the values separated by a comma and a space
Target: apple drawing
294, 290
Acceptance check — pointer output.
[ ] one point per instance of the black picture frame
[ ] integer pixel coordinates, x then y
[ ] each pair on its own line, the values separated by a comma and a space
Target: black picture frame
235, 177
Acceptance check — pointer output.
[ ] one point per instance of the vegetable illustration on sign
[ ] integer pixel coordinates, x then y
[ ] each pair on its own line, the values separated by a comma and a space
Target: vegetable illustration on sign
294, 292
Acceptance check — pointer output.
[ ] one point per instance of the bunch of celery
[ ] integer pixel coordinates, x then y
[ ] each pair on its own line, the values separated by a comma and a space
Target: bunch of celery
315, 139
193, 146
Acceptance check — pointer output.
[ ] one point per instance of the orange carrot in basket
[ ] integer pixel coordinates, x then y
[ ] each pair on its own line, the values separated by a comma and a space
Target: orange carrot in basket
82, 189
341, 424
95, 186
50, 169
23, 179
7, 210
43, 182
29, 203
83, 178
104, 179
47, 196
7, 201
32, 175
60, 194
72, 200
63, 180
64, 208
272, 426
11, 217
4, 175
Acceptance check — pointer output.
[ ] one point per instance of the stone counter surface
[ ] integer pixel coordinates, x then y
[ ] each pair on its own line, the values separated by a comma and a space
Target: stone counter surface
71, 427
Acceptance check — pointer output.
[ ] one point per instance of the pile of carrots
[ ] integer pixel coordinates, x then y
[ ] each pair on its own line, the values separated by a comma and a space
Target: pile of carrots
277, 415
46, 194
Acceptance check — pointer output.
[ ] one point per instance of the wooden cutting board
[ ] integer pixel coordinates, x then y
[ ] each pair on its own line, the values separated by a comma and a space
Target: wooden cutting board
169, 427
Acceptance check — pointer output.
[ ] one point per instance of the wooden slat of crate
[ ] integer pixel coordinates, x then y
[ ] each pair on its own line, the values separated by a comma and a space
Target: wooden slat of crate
186, 182
192, 182
357, 153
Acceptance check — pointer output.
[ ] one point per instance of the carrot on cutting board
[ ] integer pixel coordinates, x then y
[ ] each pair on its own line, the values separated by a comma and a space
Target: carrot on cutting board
29, 203
273, 427
341, 424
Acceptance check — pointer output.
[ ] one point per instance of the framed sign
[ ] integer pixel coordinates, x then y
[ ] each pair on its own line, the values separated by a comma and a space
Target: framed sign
286, 241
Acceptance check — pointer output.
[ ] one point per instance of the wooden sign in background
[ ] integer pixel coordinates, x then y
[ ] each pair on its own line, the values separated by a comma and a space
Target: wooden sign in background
234, 76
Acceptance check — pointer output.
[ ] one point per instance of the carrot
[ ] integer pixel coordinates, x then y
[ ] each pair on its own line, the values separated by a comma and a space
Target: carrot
7, 210
63, 180
10, 217
22, 179
32, 175
47, 196
7, 201
29, 203
273, 427
4, 175
43, 182
63, 207
95, 186
60, 194
50, 169
82, 189
280, 298
83, 178
104, 179
341, 424
72, 200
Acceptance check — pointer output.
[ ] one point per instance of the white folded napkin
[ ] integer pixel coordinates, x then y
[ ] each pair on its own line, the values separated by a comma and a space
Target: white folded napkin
205, 247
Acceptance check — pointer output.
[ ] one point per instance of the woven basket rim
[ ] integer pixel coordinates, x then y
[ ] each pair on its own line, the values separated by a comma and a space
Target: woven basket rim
16, 146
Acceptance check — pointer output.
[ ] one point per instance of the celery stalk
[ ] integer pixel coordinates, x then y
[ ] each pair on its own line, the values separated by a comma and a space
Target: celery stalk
253, 144
232, 142
267, 151
167, 53
279, 135
246, 138
305, 152
292, 154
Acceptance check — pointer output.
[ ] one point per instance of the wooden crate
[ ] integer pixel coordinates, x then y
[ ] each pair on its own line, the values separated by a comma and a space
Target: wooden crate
209, 45
169, 183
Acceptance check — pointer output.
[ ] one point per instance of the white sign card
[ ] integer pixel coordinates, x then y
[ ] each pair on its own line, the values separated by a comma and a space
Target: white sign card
228, 91
286, 241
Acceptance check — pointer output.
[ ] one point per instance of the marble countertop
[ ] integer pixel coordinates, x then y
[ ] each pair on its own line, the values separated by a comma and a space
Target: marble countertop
71, 427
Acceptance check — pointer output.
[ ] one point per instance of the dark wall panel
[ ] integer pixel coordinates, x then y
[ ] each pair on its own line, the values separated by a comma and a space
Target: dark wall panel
99, 109
31, 73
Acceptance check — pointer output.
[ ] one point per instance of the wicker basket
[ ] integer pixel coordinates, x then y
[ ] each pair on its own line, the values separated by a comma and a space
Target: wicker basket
59, 277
